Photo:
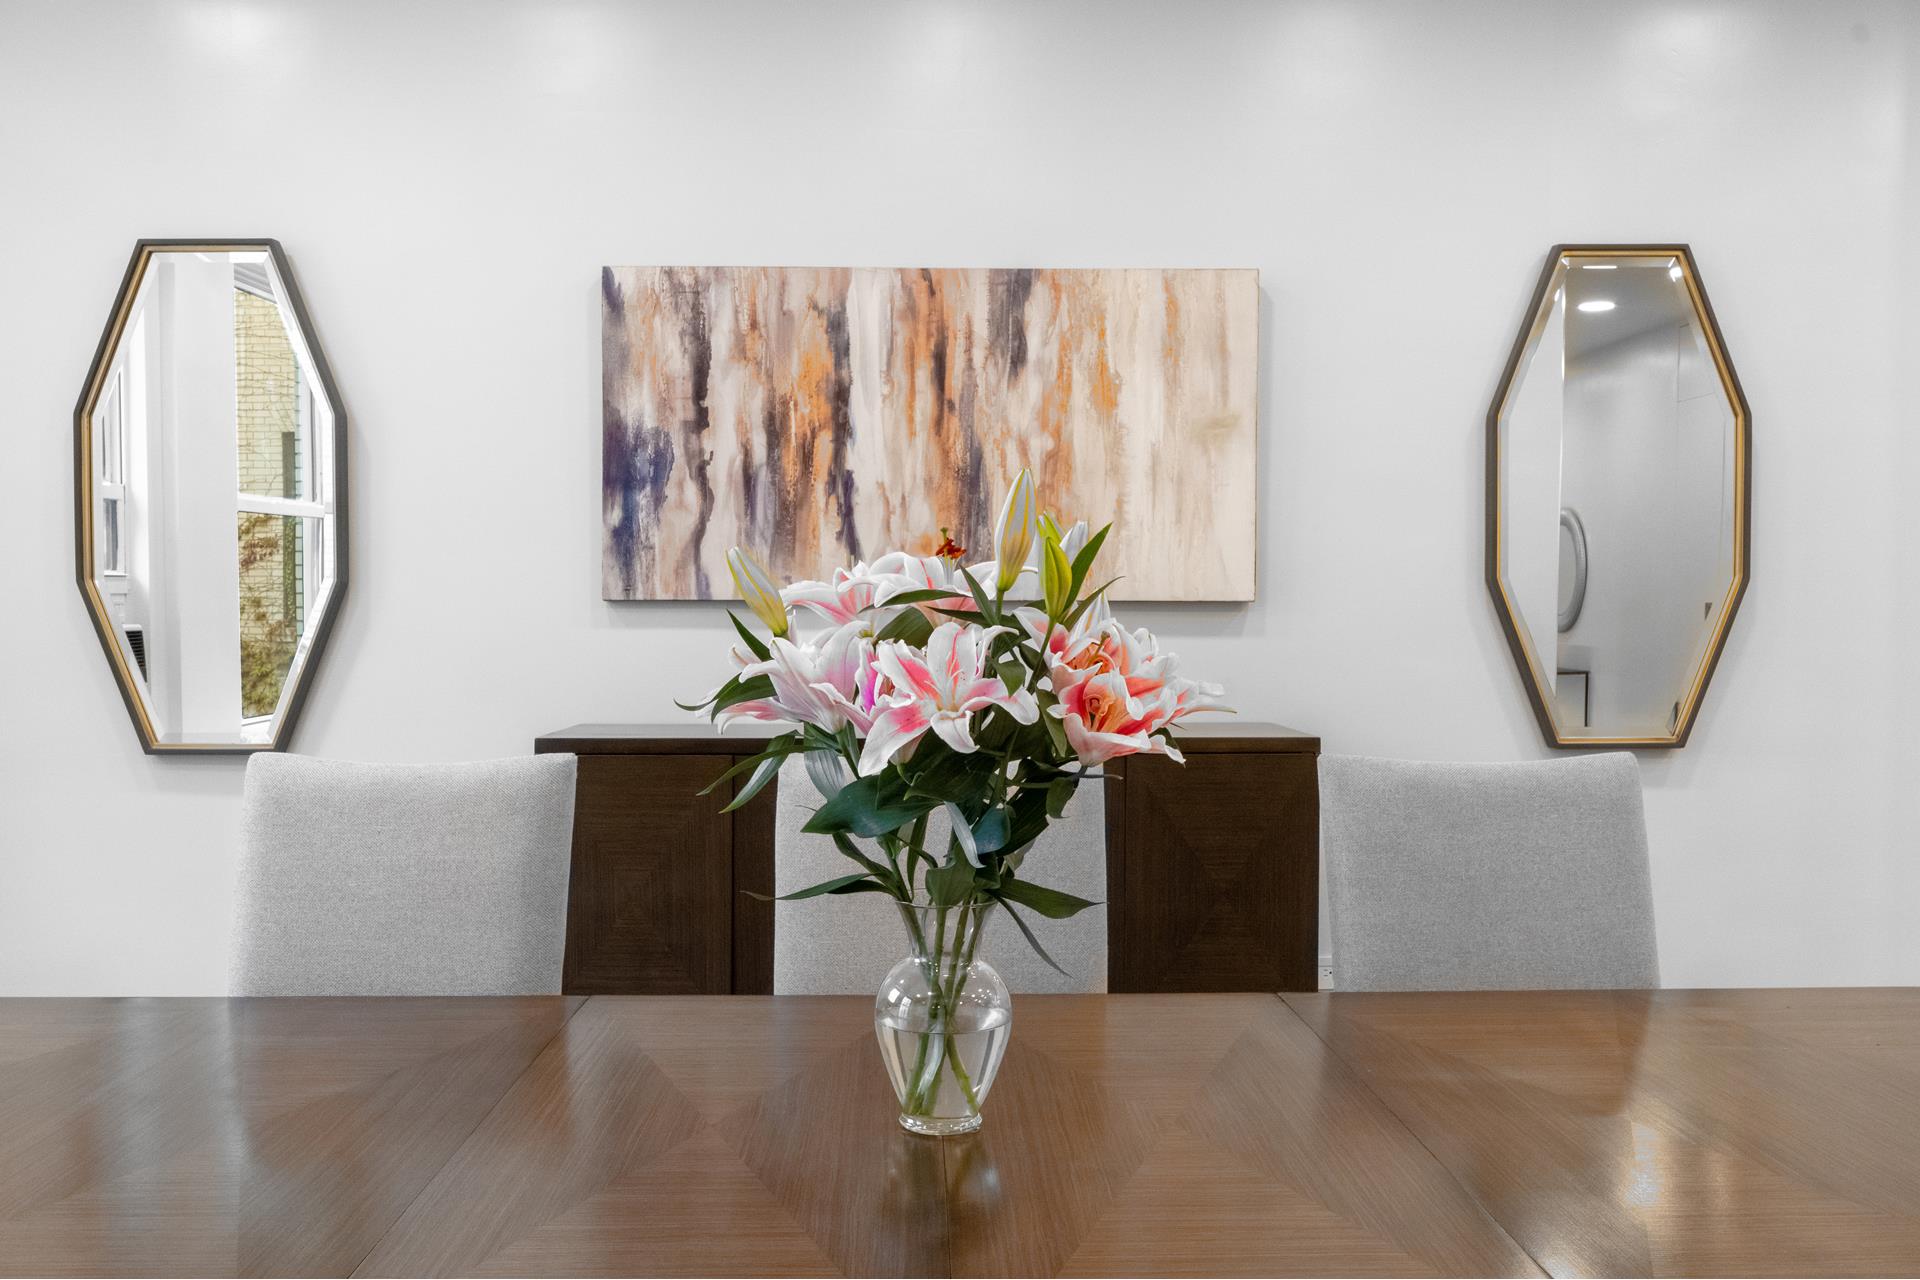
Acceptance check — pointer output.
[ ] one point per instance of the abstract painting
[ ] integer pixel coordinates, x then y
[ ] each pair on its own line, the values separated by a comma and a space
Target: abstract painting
817, 416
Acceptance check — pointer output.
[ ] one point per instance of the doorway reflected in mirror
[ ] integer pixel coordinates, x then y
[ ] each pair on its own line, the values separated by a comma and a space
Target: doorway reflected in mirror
1618, 458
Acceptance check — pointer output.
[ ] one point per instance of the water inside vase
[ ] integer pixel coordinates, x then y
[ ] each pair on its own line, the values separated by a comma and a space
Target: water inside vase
915, 1054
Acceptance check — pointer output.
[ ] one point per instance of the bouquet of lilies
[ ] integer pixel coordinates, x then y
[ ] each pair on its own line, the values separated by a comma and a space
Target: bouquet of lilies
989, 691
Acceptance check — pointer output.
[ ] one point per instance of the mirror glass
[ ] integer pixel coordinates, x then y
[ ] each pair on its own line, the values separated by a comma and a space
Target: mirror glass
209, 472
1620, 441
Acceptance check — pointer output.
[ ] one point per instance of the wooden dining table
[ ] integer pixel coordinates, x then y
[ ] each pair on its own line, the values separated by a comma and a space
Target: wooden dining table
1514, 1133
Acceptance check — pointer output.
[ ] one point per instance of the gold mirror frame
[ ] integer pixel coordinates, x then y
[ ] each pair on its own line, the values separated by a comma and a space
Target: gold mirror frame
301, 676
1510, 619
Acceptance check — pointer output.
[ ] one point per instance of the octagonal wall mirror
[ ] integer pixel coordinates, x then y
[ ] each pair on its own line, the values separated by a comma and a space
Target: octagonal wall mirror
210, 453
1618, 468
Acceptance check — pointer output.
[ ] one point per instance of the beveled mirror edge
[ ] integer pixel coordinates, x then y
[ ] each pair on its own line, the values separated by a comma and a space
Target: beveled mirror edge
300, 675
1503, 606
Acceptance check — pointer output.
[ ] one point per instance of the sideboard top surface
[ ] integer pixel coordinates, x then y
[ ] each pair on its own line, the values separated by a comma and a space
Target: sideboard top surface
744, 738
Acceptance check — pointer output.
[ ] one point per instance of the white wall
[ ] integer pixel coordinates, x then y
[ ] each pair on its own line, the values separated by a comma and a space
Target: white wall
1396, 171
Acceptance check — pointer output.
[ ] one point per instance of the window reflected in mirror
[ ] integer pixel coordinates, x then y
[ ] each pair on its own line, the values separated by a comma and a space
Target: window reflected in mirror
211, 473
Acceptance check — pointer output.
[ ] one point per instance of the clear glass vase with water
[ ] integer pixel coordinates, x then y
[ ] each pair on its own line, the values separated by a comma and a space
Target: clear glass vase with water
943, 1018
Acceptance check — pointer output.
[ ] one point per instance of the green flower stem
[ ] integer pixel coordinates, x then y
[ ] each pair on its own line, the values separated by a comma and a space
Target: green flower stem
933, 1047
960, 1074
916, 1103
926, 1066
918, 939
956, 983
949, 967
914, 850
890, 845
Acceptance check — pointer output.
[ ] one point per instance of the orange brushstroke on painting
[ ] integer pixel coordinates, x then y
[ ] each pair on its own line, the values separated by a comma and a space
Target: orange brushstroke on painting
1105, 386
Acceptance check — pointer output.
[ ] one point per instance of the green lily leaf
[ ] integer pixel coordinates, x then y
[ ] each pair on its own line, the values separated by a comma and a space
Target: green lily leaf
768, 770
963, 834
1051, 903
779, 749
963, 615
1059, 791
1084, 561
879, 870
1028, 934
949, 886
755, 645
814, 738
991, 832
1056, 731
737, 690
860, 883
987, 611
1087, 604
911, 627
869, 807
997, 734
1029, 810
921, 595
941, 773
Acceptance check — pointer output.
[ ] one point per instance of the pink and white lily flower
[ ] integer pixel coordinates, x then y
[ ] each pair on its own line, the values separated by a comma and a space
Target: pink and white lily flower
1102, 720
897, 573
939, 690
829, 683
866, 589
839, 600
1056, 642
1116, 689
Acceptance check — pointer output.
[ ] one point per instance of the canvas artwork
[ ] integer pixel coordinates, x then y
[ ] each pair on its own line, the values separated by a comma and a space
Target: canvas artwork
818, 415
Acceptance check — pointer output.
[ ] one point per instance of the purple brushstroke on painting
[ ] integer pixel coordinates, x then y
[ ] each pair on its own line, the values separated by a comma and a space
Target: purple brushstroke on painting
1007, 294
635, 464
840, 481
976, 512
763, 498
688, 299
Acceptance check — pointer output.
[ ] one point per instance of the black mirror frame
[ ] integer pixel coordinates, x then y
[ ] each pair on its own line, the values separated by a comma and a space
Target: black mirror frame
143, 251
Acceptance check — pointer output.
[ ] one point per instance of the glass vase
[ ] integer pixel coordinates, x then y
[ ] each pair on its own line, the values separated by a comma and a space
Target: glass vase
943, 1018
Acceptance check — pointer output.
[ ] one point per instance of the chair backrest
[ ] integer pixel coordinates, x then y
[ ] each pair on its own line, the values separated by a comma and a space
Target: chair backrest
1525, 876
399, 879
844, 945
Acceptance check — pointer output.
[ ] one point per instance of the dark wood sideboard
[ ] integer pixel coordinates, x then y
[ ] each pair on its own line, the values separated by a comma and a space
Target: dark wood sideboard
1213, 869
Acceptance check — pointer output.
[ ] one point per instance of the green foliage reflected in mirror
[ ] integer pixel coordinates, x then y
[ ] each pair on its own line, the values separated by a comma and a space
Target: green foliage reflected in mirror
209, 446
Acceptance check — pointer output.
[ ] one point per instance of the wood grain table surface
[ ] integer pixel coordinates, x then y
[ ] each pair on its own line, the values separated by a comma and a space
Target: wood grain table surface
1570, 1133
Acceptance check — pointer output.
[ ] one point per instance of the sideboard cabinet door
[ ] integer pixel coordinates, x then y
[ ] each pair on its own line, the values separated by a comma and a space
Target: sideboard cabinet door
1214, 873
651, 903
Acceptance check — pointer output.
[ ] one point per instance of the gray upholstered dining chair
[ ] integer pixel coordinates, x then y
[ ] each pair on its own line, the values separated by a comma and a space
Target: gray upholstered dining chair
403, 879
844, 945
1524, 876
